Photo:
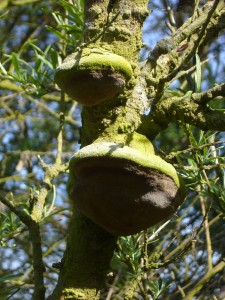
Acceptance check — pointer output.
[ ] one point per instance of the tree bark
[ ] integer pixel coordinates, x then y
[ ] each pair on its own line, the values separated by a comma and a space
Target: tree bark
86, 260
109, 25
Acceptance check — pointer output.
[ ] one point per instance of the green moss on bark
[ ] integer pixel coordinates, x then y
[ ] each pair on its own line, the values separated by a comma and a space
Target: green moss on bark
94, 59
139, 151
86, 261
90, 248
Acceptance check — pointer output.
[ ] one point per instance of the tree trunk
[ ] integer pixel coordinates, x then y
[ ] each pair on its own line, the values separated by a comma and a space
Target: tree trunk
113, 25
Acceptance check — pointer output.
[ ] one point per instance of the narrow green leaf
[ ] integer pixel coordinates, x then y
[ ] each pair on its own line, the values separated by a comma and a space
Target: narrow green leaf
68, 6
198, 74
4, 72
26, 44
4, 4
45, 61
70, 27
36, 48
16, 64
9, 277
22, 2
58, 18
37, 65
58, 34
54, 58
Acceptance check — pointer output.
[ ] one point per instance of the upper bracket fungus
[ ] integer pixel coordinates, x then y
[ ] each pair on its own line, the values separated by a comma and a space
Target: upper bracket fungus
124, 188
91, 76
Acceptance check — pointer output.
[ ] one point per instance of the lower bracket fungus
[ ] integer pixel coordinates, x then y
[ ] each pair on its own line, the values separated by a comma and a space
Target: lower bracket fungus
124, 188
91, 76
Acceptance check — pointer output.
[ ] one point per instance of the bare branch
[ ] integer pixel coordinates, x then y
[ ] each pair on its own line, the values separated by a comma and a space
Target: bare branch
6, 84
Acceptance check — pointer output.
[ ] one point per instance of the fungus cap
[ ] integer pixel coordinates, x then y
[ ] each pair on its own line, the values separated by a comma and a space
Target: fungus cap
93, 75
122, 190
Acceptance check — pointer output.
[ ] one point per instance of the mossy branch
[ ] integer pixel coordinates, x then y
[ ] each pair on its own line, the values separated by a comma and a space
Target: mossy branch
6, 84
89, 248
205, 278
86, 260
175, 51
206, 96
192, 47
192, 109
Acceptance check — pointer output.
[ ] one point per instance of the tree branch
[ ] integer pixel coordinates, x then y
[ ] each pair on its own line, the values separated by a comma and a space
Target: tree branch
191, 109
35, 238
206, 96
6, 84
196, 43
173, 52
202, 281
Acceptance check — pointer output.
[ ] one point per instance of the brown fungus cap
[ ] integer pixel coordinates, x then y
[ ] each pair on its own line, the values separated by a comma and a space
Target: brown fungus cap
122, 190
93, 75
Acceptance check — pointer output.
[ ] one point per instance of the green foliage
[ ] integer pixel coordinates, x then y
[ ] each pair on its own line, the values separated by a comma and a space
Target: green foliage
36, 79
69, 22
36, 75
135, 266
5, 278
10, 225
158, 288
5, 3
129, 253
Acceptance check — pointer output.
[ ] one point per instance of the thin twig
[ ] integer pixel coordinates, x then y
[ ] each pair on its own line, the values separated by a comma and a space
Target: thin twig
60, 134
195, 10
207, 230
199, 168
208, 95
112, 288
186, 72
172, 155
16, 177
189, 239
156, 233
204, 279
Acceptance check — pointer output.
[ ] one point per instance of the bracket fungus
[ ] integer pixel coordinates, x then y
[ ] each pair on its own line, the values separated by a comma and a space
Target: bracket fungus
91, 76
124, 187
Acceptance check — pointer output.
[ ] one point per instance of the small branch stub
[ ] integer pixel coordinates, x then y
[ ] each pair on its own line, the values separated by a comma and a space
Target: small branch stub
124, 188
91, 76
